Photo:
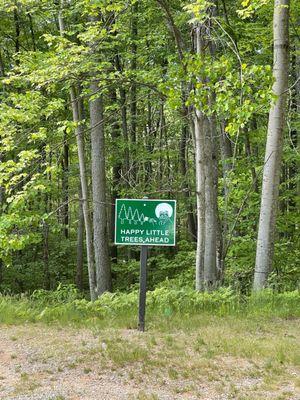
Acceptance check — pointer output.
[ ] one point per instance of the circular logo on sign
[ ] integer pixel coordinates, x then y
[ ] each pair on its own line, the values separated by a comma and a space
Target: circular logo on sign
163, 209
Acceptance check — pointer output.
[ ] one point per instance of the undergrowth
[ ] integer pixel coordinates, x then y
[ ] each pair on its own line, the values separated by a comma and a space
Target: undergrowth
66, 306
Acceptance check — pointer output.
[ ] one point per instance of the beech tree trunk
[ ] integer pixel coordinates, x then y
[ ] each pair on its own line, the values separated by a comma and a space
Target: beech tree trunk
207, 221
274, 146
200, 197
100, 226
211, 221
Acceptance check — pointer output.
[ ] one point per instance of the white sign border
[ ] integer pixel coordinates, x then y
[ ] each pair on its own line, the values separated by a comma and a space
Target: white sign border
145, 244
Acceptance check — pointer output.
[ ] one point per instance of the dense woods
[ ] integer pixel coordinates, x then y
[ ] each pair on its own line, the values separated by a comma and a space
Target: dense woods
196, 101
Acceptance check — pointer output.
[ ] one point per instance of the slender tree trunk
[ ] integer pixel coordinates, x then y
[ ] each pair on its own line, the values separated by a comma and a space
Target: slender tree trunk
185, 133
47, 283
123, 109
2, 69
100, 225
83, 177
297, 112
65, 186
226, 157
116, 178
200, 197
274, 146
17, 31
206, 180
85, 194
1, 205
32, 31
133, 91
126, 173
80, 243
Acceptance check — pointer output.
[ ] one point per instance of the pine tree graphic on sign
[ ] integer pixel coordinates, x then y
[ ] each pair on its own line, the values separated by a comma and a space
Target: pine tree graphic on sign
129, 215
136, 216
142, 219
122, 214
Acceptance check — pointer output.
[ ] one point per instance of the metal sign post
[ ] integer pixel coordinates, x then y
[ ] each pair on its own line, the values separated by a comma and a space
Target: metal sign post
143, 288
144, 222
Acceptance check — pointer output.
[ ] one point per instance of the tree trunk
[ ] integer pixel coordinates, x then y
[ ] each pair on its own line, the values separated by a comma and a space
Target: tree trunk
85, 194
274, 146
47, 283
17, 31
83, 178
200, 197
210, 253
206, 180
100, 226
80, 236
65, 186
297, 112
116, 177
133, 92
1, 205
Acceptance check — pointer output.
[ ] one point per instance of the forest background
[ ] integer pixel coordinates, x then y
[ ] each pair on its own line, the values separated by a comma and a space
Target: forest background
103, 100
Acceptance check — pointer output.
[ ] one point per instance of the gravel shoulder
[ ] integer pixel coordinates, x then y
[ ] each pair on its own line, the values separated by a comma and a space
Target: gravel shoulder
39, 362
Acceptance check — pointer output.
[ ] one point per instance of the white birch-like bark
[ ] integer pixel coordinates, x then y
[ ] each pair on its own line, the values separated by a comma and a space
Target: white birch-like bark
199, 144
274, 146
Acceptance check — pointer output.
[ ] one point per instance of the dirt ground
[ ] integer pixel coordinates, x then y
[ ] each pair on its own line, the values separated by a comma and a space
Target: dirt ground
51, 363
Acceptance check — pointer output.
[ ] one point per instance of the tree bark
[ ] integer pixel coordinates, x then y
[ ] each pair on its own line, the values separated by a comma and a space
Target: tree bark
133, 92
1, 205
274, 146
116, 177
65, 186
200, 196
100, 226
206, 180
47, 283
80, 236
85, 194
211, 229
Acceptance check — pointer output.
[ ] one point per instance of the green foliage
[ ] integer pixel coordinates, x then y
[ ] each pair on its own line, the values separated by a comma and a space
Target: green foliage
161, 267
65, 305
38, 67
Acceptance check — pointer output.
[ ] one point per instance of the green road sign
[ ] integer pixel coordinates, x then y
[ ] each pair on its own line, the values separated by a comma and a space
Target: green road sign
145, 222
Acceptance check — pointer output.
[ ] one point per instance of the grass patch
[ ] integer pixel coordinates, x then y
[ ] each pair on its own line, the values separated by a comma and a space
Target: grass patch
166, 307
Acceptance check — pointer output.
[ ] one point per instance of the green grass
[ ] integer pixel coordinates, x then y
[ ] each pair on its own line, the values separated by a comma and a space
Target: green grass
166, 307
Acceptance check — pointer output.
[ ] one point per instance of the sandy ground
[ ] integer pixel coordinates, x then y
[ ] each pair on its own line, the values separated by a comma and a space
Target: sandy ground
47, 363
28, 371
